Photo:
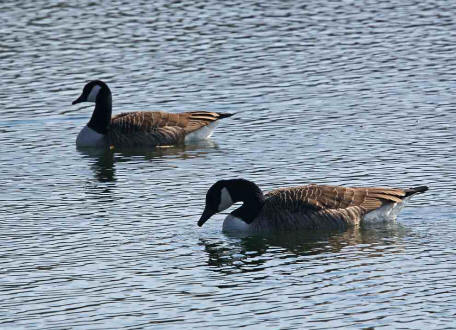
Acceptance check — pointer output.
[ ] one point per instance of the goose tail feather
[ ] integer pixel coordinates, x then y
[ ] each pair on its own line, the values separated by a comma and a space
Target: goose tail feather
415, 190
224, 115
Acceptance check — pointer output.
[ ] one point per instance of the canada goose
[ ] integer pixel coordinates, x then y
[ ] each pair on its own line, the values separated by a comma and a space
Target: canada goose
304, 207
142, 128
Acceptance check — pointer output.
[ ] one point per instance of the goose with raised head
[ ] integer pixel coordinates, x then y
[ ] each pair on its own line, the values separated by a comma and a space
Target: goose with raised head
141, 128
310, 207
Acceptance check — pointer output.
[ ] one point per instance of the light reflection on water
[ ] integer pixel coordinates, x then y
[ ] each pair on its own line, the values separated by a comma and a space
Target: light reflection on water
324, 92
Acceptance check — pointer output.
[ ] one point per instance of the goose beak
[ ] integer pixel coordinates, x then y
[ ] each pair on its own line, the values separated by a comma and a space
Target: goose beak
78, 100
206, 215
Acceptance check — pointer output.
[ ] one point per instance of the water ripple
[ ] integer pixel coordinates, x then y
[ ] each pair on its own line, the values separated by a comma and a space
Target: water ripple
353, 93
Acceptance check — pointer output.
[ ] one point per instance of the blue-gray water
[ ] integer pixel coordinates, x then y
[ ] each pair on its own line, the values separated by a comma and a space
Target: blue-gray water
340, 92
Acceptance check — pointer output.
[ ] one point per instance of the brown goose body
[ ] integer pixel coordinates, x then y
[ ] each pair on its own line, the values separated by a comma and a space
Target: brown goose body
310, 207
147, 128
315, 207
142, 128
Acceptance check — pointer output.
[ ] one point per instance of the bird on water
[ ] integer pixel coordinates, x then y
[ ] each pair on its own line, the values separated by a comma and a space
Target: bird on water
310, 207
140, 128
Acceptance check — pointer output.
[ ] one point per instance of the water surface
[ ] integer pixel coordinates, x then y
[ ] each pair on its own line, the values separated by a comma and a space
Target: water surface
351, 93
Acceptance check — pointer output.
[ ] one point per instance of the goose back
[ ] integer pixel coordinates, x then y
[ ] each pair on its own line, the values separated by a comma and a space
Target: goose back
157, 128
314, 207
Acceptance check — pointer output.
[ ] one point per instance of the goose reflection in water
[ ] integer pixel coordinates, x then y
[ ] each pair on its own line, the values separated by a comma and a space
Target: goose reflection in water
102, 163
187, 151
104, 160
249, 253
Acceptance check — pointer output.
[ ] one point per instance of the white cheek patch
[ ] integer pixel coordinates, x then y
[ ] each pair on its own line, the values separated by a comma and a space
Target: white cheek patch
92, 97
225, 200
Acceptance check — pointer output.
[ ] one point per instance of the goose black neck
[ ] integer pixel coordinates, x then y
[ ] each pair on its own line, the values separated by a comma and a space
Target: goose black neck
248, 192
101, 116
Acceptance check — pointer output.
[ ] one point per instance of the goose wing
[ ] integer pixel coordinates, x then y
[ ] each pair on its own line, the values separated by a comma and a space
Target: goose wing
157, 128
198, 119
321, 206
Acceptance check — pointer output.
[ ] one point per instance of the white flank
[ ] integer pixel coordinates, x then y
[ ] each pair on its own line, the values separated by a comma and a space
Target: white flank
233, 224
87, 137
387, 212
92, 97
201, 134
225, 200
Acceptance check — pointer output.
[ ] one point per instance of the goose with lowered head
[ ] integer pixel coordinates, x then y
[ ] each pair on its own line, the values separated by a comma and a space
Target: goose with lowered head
310, 207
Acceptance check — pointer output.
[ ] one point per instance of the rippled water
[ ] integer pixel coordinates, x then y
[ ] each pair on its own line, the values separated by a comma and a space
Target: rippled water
350, 92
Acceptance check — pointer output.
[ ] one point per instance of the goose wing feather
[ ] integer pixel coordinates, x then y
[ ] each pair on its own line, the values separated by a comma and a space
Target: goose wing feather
321, 206
157, 128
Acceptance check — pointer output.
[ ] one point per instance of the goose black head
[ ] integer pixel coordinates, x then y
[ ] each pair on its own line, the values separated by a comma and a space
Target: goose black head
218, 198
225, 193
92, 91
